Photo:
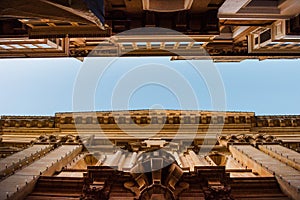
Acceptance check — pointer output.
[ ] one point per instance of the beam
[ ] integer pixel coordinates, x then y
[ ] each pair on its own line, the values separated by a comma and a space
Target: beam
290, 7
247, 16
232, 6
72, 31
238, 10
162, 38
259, 10
240, 33
263, 3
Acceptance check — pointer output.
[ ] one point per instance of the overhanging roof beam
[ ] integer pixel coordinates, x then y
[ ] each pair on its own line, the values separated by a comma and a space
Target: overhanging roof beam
232, 6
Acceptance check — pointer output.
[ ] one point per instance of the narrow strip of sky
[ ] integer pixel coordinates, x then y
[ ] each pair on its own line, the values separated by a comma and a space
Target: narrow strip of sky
45, 86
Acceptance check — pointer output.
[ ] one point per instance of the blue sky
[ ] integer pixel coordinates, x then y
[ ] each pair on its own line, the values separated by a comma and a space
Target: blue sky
46, 86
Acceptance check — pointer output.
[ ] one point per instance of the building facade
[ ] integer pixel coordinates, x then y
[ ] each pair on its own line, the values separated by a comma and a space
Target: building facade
150, 154
228, 30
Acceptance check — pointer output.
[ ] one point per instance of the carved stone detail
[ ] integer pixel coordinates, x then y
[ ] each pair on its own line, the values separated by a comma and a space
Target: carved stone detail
248, 139
218, 193
58, 139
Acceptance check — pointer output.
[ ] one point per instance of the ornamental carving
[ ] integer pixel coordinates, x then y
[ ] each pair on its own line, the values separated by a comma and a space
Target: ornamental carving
156, 176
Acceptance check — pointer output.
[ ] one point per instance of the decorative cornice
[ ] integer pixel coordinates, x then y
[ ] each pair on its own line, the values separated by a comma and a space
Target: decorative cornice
151, 117
27, 122
253, 139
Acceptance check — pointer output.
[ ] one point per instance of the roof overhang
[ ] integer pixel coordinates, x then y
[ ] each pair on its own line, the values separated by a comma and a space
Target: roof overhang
167, 5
